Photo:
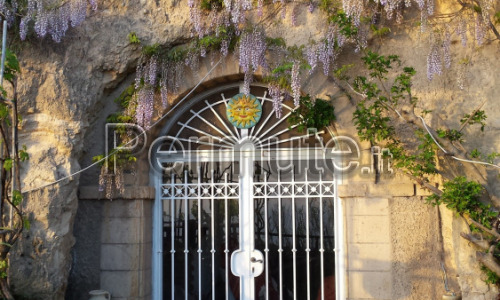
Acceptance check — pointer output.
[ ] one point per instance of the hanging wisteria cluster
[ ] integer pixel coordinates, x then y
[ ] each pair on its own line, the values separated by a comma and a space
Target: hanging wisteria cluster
326, 51
110, 181
479, 29
145, 107
252, 54
203, 26
434, 65
46, 17
464, 26
311, 53
277, 96
295, 84
155, 75
467, 23
356, 8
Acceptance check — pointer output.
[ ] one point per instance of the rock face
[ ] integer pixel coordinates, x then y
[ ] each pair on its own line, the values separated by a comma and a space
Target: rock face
63, 89
61, 86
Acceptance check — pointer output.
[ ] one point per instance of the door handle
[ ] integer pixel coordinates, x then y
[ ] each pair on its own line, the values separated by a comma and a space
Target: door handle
254, 260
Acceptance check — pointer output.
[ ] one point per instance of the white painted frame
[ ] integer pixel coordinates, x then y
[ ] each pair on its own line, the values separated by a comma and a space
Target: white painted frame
157, 257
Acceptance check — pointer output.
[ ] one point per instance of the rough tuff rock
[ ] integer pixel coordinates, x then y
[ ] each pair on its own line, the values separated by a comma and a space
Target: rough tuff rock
60, 85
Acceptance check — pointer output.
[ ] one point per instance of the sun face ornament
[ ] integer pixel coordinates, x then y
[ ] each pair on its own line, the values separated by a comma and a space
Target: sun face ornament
244, 111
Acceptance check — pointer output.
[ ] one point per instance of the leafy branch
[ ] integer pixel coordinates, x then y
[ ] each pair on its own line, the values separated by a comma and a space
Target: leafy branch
316, 113
11, 199
381, 110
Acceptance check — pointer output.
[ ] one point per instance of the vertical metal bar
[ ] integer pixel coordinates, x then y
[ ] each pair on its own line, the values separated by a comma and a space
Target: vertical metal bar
2, 70
321, 246
4, 47
226, 223
266, 250
339, 246
186, 221
172, 233
13, 170
157, 259
280, 245
199, 233
308, 248
336, 245
212, 229
294, 247
247, 221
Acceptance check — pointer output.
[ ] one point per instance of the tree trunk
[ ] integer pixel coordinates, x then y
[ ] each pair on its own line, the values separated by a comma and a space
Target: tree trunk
489, 261
4, 287
483, 244
472, 171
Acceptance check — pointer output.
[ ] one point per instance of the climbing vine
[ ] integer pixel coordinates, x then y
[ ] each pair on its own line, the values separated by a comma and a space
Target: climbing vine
384, 104
383, 96
13, 220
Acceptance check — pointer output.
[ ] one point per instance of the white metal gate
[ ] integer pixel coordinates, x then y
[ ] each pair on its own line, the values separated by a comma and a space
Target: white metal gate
229, 225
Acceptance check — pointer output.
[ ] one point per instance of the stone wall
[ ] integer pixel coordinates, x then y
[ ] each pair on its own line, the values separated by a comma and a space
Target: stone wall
113, 249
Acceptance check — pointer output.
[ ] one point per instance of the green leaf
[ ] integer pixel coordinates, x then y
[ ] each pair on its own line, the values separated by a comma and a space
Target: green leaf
344, 23
97, 158
4, 111
450, 134
475, 153
11, 66
341, 73
312, 114
497, 17
23, 154
380, 31
7, 164
492, 156
283, 68
17, 198
211, 4
151, 50
477, 118
491, 277
463, 197
26, 223
379, 65
133, 39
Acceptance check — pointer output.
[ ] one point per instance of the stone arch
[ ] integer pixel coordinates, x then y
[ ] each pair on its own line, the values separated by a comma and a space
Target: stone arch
111, 221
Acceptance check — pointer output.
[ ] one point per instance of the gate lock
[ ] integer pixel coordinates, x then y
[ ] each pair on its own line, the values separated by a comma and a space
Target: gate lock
247, 263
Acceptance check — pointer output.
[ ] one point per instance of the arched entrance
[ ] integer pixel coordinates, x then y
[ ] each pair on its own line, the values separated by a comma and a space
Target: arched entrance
246, 206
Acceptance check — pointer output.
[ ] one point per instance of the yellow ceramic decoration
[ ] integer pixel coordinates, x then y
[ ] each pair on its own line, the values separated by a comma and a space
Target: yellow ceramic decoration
244, 111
